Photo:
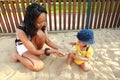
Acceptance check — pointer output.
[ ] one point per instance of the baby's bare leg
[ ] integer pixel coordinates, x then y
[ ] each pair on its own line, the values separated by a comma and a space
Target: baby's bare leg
85, 66
70, 58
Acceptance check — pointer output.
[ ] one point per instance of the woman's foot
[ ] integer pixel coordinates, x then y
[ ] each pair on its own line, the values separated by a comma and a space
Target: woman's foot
14, 57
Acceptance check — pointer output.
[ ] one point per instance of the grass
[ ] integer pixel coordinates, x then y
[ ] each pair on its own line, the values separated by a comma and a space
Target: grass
62, 7
57, 7
67, 7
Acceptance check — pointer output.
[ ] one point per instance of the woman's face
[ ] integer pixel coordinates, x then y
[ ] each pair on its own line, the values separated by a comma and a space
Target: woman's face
41, 21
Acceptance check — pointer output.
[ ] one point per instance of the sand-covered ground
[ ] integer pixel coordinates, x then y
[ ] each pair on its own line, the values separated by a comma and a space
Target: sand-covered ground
105, 62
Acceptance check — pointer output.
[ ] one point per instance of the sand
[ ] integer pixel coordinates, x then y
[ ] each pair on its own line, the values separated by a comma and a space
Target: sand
105, 62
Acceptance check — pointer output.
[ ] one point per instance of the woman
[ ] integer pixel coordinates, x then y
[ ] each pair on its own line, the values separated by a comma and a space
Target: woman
31, 36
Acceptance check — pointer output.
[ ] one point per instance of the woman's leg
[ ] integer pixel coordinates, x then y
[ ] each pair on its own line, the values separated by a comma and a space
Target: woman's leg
30, 61
85, 66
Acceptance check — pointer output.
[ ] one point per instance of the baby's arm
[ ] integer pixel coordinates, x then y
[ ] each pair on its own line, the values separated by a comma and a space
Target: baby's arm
81, 58
72, 43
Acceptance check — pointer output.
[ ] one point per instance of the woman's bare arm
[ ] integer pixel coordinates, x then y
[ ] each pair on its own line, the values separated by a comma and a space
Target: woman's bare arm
49, 42
28, 44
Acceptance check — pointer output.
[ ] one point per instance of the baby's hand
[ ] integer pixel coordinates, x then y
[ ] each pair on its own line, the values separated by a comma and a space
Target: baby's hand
72, 43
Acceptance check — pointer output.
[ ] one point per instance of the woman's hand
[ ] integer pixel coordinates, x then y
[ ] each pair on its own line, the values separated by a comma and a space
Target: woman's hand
51, 51
64, 51
59, 53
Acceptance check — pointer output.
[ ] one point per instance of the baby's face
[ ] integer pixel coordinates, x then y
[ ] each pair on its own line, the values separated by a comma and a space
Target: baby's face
82, 45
